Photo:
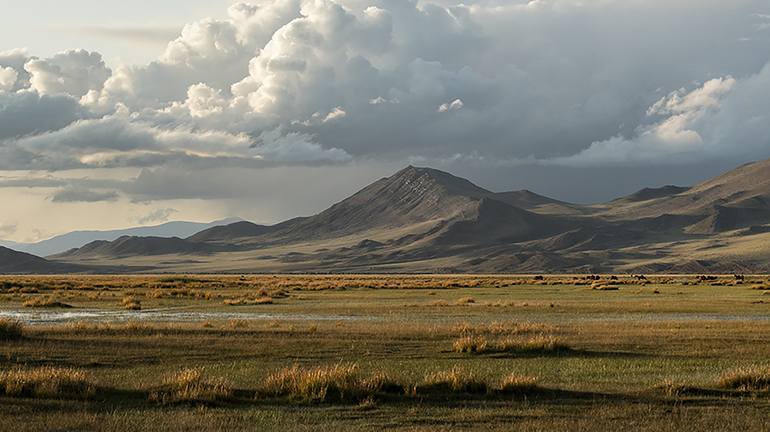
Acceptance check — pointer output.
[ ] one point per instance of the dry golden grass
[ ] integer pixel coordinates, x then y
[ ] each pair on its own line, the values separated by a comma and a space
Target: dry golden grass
455, 380
439, 303
47, 382
45, 302
190, 385
540, 344
518, 384
537, 344
125, 328
11, 329
751, 378
603, 286
670, 388
131, 303
471, 344
243, 301
318, 384
465, 300
504, 328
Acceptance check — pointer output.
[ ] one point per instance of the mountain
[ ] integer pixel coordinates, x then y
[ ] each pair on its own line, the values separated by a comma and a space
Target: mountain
737, 199
14, 262
426, 220
408, 201
77, 239
230, 232
127, 246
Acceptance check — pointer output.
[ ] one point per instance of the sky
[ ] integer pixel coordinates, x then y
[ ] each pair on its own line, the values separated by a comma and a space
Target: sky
117, 114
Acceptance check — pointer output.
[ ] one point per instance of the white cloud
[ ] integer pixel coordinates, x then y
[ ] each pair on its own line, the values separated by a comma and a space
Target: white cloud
296, 147
455, 105
8, 77
73, 73
722, 118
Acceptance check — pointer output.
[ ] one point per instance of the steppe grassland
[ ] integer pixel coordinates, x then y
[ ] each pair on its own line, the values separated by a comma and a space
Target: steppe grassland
361, 352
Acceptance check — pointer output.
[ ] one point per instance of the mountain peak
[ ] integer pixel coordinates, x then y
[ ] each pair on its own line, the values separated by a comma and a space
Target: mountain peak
423, 179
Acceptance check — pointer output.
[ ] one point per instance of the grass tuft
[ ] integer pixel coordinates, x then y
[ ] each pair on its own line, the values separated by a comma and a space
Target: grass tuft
540, 344
750, 378
518, 384
471, 344
45, 302
190, 385
247, 301
338, 382
47, 382
455, 380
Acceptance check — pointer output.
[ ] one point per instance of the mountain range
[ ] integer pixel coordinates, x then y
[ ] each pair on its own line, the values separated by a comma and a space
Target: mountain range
76, 239
426, 220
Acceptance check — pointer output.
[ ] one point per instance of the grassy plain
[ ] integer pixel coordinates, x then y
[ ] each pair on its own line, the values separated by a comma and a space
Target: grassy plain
384, 352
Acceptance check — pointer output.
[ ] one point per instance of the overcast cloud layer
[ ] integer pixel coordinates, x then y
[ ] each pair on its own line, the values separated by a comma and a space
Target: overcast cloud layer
496, 90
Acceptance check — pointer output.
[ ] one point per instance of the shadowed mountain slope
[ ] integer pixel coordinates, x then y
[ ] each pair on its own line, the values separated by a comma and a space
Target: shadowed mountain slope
14, 262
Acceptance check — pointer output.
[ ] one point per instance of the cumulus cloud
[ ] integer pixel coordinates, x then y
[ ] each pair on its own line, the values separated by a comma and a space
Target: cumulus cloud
313, 82
8, 77
73, 73
721, 118
297, 147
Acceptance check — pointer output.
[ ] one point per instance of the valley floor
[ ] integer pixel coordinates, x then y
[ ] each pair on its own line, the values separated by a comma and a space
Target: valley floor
210, 353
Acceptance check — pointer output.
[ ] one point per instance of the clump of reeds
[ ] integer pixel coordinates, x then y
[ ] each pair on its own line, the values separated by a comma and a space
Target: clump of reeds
45, 302
471, 344
243, 301
318, 384
47, 382
455, 380
518, 384
749, 378
190, 385
539, 344
536, 344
